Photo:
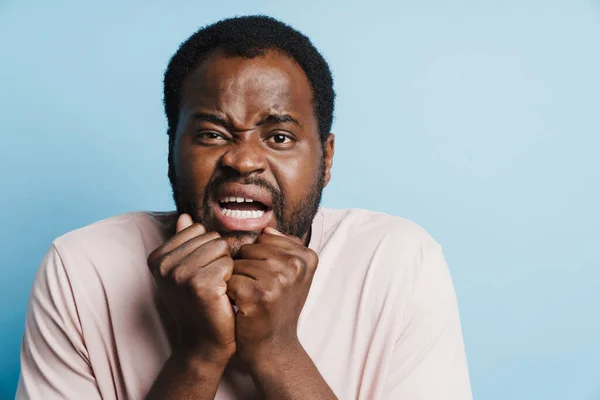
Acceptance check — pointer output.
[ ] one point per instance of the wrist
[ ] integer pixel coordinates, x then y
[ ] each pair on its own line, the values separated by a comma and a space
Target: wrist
189, 374
272, 358
204, 357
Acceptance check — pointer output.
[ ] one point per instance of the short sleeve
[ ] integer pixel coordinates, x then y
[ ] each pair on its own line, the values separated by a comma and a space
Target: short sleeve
429, 361
54, 359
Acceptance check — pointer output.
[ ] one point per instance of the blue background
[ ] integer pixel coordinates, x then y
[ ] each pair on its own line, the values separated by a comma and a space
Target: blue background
480, 122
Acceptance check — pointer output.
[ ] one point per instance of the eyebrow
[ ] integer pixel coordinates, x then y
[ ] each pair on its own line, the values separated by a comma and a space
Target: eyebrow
208, 117
279, 119
270, 118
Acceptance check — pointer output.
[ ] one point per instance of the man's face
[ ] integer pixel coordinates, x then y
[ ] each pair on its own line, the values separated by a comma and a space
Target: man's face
247, 151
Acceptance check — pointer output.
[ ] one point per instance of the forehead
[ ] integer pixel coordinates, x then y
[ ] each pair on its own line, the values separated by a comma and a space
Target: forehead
242, 87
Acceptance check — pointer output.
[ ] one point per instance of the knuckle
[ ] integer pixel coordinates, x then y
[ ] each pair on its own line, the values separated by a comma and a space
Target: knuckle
196, 283
211, 296
221, 245
280, 279
296, 264
227, 263
179, 276
312, 258
156, 258
220, 269
268, 296
151, 260
163, 267
199, 287
206, 291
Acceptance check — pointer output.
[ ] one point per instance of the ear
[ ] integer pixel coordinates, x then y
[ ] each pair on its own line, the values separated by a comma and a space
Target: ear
329, 149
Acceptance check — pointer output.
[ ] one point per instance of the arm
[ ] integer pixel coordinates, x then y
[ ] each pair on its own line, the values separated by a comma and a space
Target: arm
188, 376
54, 359
289, 375
429, 359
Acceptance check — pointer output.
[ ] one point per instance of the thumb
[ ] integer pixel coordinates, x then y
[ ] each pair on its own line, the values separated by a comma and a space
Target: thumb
183, 222
272, 231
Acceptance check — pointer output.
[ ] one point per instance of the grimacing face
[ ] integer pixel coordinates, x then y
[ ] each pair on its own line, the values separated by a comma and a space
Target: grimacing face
247, 152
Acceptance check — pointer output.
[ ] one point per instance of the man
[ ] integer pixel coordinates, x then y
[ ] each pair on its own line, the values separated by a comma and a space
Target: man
249, 290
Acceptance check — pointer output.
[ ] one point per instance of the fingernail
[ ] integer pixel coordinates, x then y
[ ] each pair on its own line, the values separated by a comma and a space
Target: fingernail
272, 231
183, 222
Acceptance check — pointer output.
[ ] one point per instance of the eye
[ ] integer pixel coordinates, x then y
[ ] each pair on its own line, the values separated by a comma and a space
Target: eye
209, 137
281, 140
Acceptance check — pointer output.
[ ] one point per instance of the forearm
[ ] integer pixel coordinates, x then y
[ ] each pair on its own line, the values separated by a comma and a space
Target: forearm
290, 375
187, 377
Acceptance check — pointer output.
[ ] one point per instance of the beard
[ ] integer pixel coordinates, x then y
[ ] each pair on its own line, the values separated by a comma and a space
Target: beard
294, 220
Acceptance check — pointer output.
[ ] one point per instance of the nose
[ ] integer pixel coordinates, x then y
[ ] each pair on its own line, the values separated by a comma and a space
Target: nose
244, 158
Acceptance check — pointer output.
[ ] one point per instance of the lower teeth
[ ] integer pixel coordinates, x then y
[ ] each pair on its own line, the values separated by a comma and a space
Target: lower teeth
242, 214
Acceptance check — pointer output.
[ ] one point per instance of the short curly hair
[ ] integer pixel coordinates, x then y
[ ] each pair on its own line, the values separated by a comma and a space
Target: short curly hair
248, 36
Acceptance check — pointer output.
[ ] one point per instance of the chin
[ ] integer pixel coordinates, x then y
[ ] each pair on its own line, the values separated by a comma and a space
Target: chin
237, 239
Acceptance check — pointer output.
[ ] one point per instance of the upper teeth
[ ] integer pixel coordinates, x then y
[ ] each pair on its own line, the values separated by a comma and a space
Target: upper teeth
234, 199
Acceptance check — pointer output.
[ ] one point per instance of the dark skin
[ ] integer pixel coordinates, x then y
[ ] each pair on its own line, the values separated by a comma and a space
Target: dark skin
266, 273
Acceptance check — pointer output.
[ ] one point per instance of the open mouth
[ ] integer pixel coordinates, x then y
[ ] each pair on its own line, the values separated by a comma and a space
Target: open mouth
242, 208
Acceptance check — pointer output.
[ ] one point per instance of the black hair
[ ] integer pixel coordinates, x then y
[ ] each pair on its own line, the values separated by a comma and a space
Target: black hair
249, 36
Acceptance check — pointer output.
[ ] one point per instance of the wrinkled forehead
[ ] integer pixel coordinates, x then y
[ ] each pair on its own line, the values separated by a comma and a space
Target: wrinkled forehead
243, 87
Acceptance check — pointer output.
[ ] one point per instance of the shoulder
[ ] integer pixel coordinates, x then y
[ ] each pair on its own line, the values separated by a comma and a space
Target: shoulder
376, 228
105, 264
384, 261
393, 251
112, 252
136, 231
387, 251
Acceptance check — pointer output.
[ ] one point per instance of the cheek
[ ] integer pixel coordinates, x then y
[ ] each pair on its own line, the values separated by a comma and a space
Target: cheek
297, 177
193, 168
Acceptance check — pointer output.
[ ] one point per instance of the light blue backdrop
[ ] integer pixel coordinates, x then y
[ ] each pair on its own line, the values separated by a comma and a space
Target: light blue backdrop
481, 122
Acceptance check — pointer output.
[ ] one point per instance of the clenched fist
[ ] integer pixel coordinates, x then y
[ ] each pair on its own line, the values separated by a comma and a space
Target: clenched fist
270, 283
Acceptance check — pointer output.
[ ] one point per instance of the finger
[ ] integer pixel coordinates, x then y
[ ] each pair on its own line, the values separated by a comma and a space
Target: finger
242, 291
201, 257
176, 240
183, 222
270, 277
217, 271
163, 264
263, 252
286, 265
269, 246
274, 232
279, 241
209, 284
255, 269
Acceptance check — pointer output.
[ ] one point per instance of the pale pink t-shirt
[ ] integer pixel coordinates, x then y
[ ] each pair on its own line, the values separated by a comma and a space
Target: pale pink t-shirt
380, 322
